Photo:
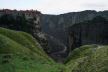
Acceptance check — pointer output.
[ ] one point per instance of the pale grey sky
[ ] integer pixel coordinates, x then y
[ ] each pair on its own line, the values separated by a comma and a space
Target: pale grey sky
55, 6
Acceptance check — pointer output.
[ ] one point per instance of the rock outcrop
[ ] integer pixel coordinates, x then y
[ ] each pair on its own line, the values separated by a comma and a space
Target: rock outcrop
94, 31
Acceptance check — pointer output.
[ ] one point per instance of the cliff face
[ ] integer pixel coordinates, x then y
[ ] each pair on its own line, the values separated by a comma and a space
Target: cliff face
57, 25
94, 31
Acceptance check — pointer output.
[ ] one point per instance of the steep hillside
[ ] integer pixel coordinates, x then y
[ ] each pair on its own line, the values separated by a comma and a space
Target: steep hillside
20, 52
23, 20
88, 58
57, 25
57, 40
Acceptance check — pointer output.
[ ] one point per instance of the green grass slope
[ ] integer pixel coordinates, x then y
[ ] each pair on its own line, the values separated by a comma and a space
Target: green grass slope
20, 52
88, 58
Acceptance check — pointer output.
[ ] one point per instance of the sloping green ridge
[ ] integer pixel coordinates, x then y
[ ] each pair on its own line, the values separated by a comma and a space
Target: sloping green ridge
23, 39
20, 52
88, 58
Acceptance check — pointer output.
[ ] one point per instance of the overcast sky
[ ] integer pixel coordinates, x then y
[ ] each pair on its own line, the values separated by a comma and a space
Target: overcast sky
55, 6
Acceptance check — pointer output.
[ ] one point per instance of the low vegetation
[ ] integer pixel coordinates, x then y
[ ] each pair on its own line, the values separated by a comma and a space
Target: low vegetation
88, 58
20, 52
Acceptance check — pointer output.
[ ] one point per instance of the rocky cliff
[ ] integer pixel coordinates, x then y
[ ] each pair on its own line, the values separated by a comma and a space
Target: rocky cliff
57, 26
94, 31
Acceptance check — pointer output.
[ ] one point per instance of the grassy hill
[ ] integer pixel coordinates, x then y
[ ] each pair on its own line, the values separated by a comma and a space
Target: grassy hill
20, 52
88, 58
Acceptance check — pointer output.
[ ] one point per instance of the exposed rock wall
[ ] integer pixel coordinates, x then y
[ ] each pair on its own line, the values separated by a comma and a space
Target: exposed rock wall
57, 27
89, 32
